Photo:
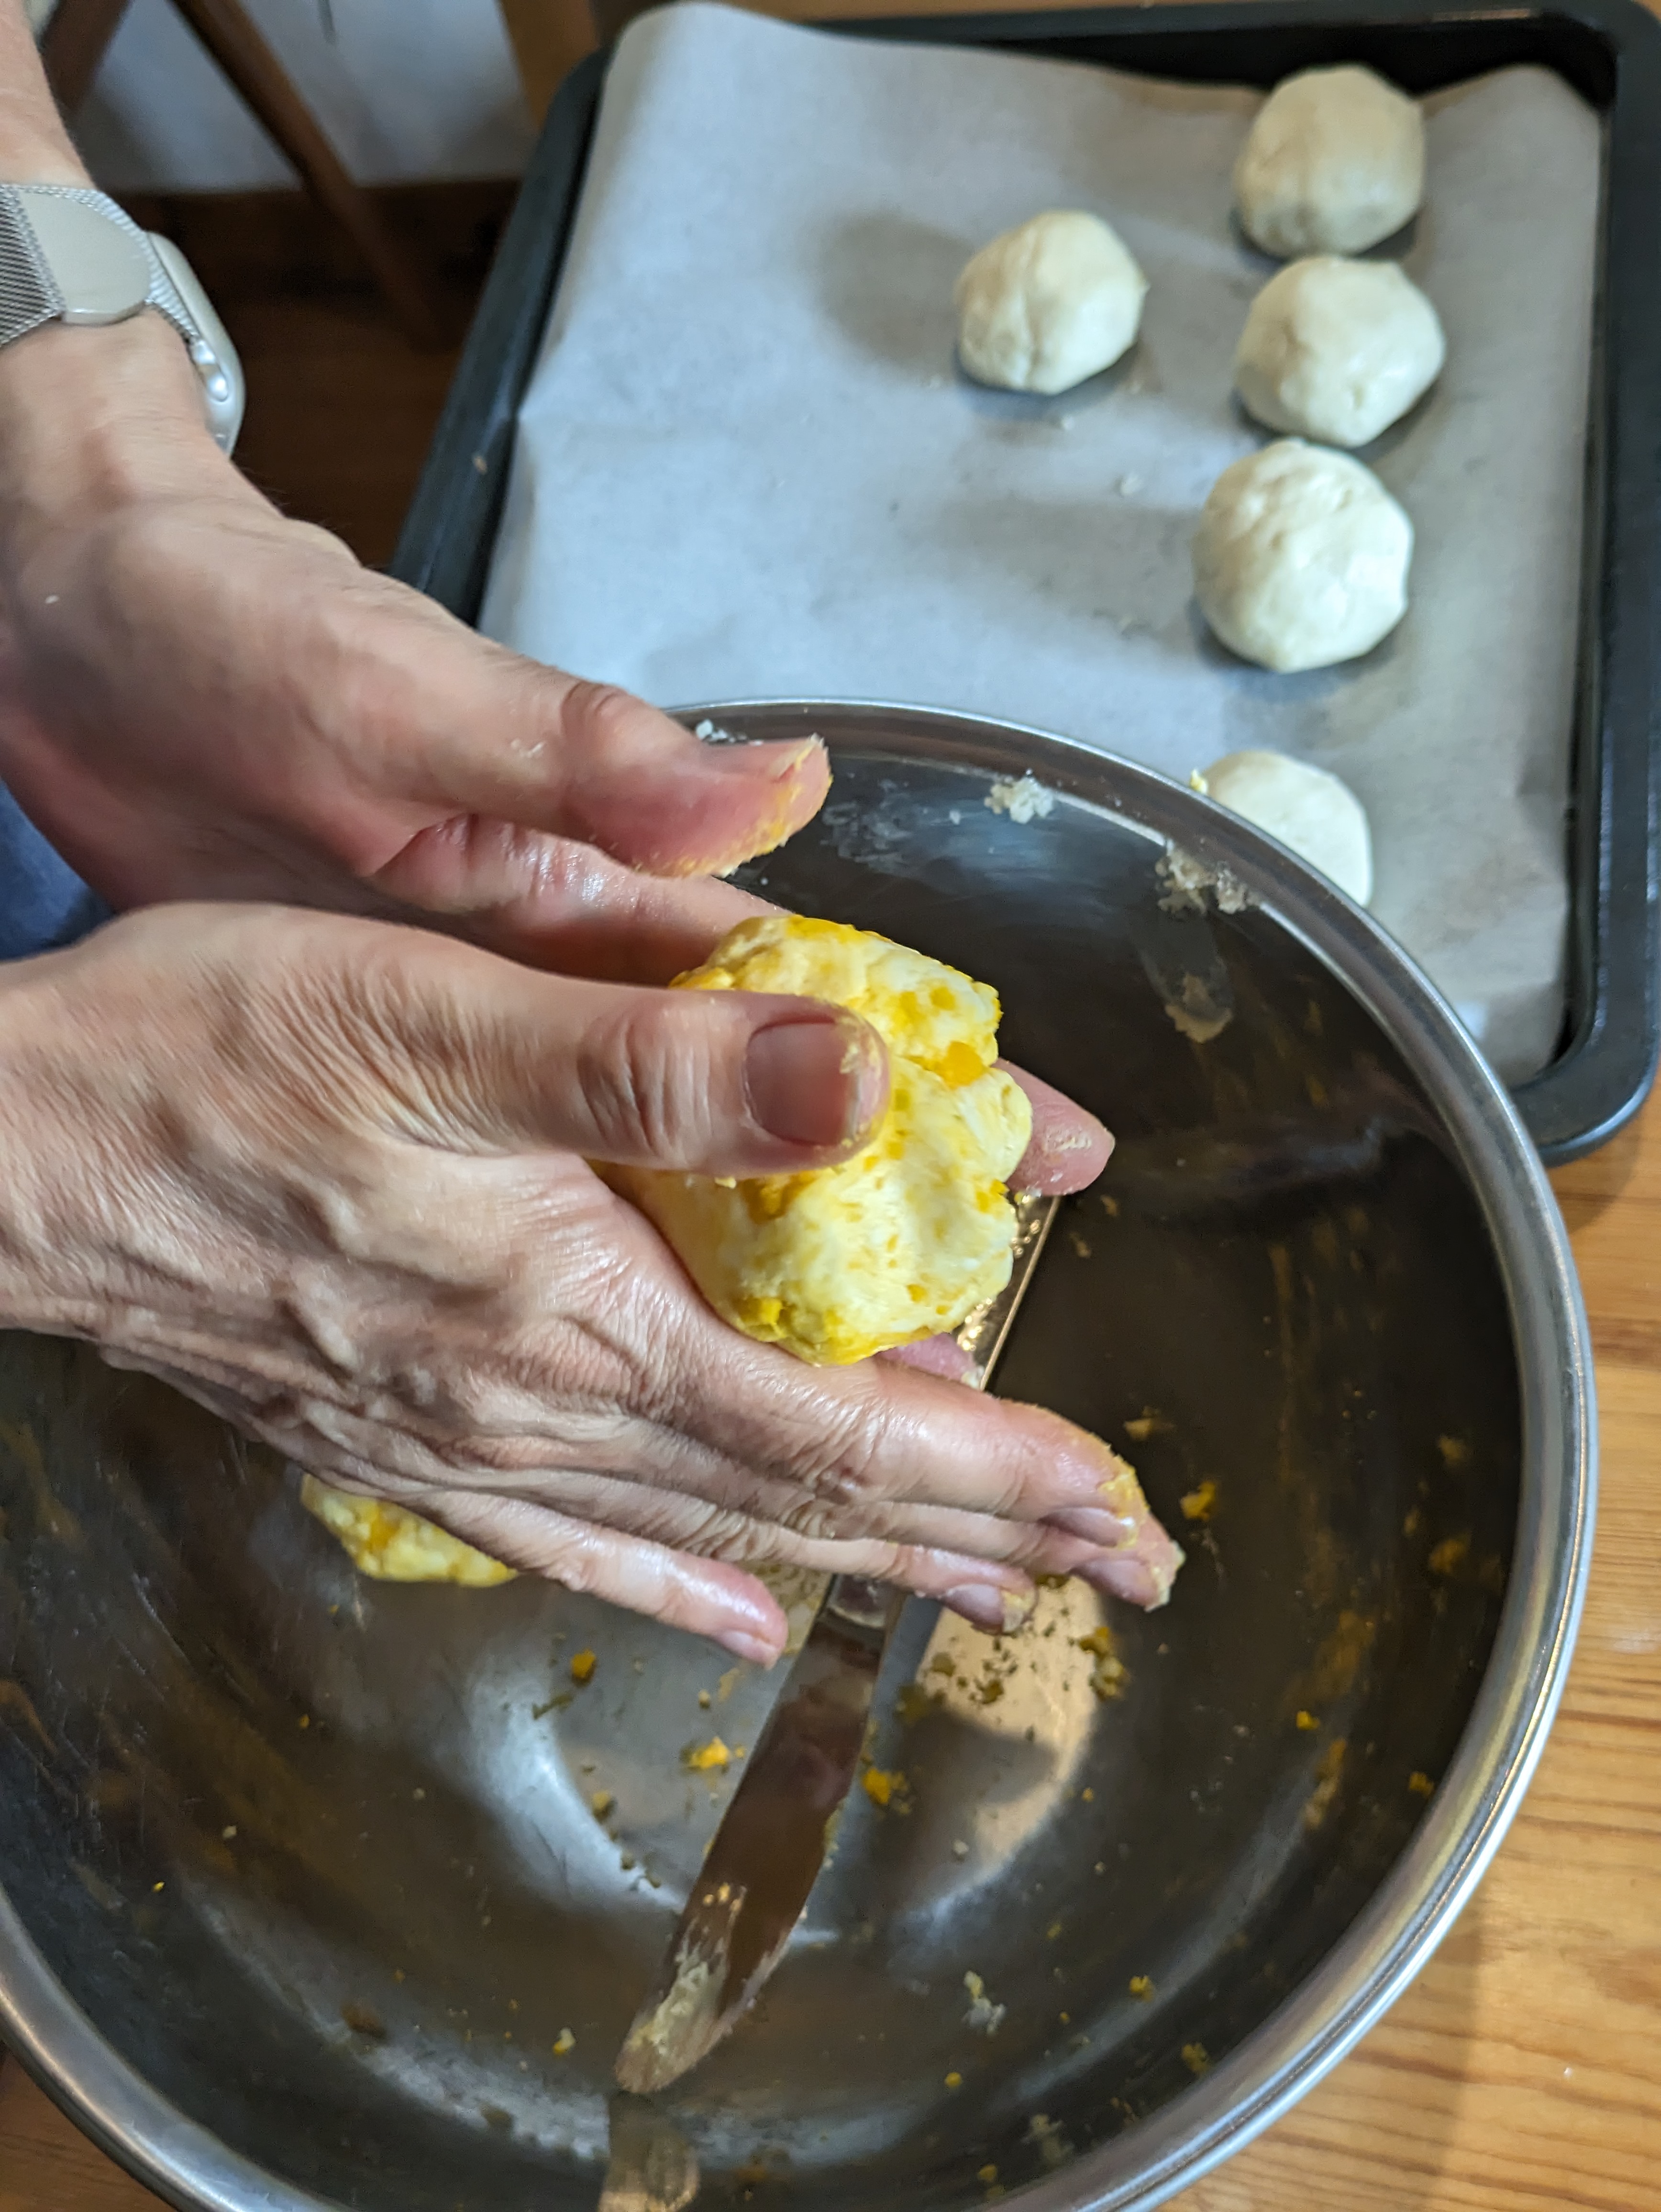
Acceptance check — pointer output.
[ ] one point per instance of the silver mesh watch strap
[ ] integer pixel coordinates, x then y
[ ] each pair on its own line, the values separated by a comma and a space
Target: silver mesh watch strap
28, 296
31, 292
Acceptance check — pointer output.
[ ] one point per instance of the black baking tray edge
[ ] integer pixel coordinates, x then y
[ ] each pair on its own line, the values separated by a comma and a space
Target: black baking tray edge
1610, 51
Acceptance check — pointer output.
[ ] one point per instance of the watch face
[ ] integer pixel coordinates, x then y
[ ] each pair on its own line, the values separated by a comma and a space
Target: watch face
102, 270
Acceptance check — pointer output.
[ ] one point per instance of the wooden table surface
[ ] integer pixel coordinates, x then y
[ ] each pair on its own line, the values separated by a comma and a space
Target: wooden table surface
1522, 2072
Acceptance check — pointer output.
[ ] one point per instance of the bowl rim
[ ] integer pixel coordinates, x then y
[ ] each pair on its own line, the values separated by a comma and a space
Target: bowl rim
1463, 1824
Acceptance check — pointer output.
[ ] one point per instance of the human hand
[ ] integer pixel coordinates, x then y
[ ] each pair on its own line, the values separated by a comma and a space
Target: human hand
327, 1178
200, 698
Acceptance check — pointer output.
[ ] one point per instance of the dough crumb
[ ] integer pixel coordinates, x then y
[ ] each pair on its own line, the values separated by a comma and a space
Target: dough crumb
708, 1758
983, 2015
1023, 799
1053, 2148
884, 1787
1150, 1422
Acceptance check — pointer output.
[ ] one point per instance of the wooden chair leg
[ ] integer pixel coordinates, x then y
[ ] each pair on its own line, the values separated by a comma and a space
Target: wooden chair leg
75, 41
224, 28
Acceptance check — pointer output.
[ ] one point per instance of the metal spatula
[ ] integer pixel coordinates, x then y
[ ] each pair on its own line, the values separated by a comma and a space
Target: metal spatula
767, 1852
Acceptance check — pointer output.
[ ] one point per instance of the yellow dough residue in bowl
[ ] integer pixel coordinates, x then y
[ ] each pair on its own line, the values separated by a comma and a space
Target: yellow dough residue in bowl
396, 1546
908, 1237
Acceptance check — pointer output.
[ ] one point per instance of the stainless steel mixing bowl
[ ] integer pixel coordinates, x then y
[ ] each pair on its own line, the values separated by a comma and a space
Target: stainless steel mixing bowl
303, 1878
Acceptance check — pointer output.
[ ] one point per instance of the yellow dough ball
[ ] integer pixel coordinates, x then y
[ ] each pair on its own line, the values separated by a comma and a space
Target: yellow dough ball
395, 1546
908, 1237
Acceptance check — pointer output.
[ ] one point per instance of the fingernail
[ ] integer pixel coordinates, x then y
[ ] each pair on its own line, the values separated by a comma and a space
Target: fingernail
1018, 1607
781, 757
1086, 1472
932, 1355
984, 1605
1129, 1579
819, 1081
750, 1648
1094, 1525
789, 760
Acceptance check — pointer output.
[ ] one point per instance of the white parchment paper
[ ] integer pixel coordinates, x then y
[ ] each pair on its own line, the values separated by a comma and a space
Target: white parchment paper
747, 465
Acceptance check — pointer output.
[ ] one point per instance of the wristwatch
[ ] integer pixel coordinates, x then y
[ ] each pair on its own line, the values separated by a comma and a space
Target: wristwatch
69, 254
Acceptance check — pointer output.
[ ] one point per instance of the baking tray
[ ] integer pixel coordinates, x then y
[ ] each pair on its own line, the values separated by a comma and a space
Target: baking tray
1610, 51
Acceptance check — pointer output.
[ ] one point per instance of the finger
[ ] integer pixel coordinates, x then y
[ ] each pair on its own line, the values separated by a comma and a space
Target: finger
1143, 1569
722, 1513
552, 903
706, 1596
611, 1548
933, 1355
480, 1054
1069, 1148
1141, 1576
641, 787
862, 1439
462, 726
879, 1438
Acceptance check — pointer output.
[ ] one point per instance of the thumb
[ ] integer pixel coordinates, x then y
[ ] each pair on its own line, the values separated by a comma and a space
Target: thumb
493, 1057
469, 728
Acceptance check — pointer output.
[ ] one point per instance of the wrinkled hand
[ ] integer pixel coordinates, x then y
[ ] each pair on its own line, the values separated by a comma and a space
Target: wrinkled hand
200, 698
327, 1178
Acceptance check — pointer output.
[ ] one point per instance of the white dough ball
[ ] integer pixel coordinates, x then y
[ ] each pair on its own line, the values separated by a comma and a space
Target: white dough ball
1319, 818
1334, 163
1338, 349
1047, 304
1301, 557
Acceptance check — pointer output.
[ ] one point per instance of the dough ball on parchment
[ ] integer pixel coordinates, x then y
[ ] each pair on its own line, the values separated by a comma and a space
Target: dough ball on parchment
1334, 163
1319, 818
1301, 557
1338, 349
1047, 304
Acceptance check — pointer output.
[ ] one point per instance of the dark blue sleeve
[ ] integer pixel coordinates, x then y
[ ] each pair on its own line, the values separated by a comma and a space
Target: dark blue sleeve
43, 902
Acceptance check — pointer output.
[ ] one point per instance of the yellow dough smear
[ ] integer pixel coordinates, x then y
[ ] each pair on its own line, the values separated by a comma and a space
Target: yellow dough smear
395, 1546
907, 1238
